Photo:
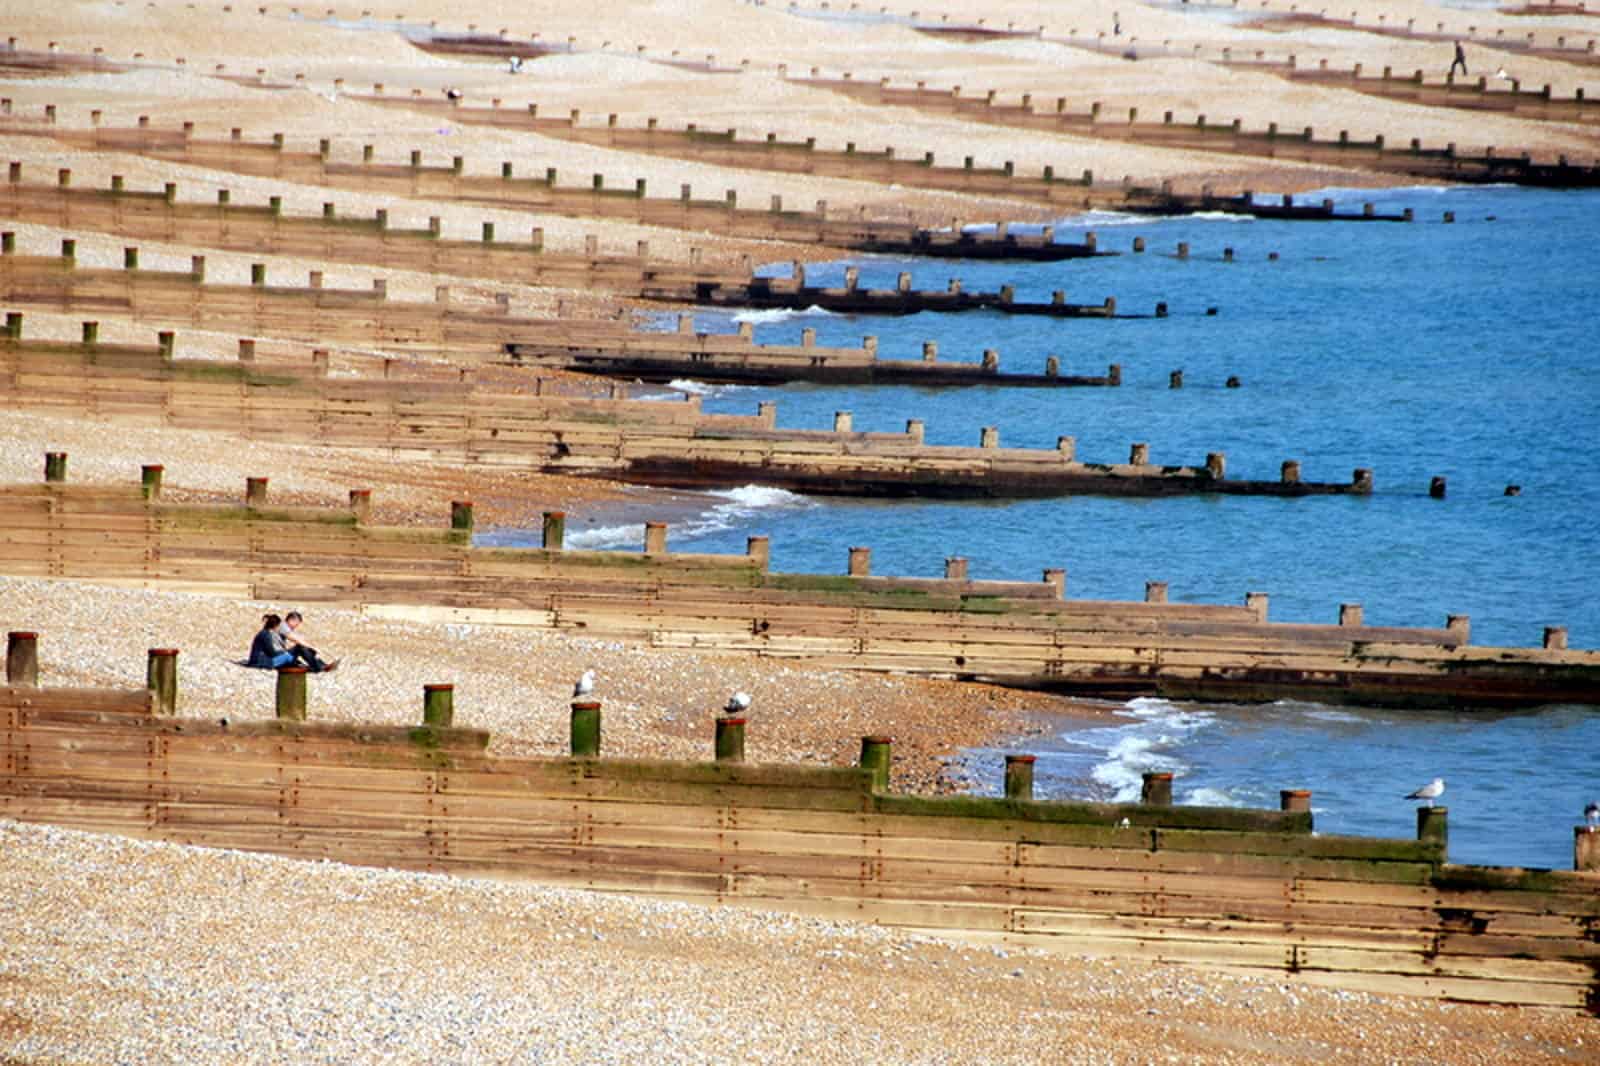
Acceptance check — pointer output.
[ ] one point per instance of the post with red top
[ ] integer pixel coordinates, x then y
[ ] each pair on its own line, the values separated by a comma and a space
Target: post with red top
361, 505
730, 739
150, 480
22, 658
461, 516
876, 754
1019, 777
555, 530
161, 678
439, 705
586, 729
1294, 799
255, 492
55, 466
1157, 791
292, 693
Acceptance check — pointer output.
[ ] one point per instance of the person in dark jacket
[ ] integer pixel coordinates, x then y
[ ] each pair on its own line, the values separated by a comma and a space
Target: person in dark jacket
267, 650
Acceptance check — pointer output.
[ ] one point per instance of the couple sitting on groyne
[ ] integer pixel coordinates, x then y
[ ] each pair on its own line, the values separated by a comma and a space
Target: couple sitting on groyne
276, 646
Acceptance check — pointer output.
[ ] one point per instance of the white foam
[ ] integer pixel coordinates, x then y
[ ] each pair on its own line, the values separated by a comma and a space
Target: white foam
781, 314
1212, 797
605, 537
1105, 218
700, 388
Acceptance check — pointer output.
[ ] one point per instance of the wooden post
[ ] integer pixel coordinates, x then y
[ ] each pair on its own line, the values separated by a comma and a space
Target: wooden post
1019, 777
361, 505
1555, 638
255, 491
758, 548
1294, 799
1139, 455
1460, 624
91, 333
1157, 790
1586, 848
55, 466
585, 729
165, 343
461, 516
1056, 578
1217, 465
1289, 473
1258, 603
555, 530
860, 564
22, 658
439, 705
292, 693
1350, 614
916, 429
729, 743
161, 677
955, 568
247, 350
1433, 826
1436, 487
13, 328
150, 480
1155, 592
655, 538
876, 755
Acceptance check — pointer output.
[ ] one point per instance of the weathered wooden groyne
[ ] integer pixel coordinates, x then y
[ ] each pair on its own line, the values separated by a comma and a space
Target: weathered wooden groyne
1023, 634
734, 359
1253, 890
794, 294
1272, 143
643, 442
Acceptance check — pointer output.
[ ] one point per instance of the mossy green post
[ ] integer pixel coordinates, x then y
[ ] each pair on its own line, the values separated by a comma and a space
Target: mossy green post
91, 333
586, 729
1019, 777
439, 705
461, 517
150, 481
22, 658
55, 466
1433, 827
292, 693
255, 492
1157, 791
876, 753
161, 678
555, 530
361, 505
730, 740
13, 318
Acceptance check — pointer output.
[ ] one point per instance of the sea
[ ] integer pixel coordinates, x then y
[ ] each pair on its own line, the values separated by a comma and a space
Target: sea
1468, 350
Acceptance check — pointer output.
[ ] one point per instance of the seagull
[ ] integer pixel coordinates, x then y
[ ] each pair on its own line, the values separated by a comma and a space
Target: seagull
1591, 814
452, 94
1502, 75
585, 684
1429, 792
739, 701
516, 64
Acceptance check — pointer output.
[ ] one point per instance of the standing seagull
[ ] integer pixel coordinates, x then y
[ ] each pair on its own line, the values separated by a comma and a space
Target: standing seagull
585, 684
1591, 814
739, 701
1429, 792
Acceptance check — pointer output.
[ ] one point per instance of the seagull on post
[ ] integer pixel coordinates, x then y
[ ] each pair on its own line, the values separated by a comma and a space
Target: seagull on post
585, 684
1429, 792
738, 703
1591, 814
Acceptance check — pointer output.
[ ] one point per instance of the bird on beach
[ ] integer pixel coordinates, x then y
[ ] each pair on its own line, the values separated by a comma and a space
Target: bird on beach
452, 94
1591, 814
1429, 792
739, 701
516, 64
585, 684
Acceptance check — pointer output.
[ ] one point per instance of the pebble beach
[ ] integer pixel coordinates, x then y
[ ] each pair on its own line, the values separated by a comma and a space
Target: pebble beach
128, 951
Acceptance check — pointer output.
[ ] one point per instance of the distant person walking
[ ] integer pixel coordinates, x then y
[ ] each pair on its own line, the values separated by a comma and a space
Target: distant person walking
1459, 61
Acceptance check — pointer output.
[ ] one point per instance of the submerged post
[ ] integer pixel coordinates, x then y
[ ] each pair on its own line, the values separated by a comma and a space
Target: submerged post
1019, 777
876, 755
439, 705
730, 739
161, 678
1157, 790
586, 729
292, 693
22, 658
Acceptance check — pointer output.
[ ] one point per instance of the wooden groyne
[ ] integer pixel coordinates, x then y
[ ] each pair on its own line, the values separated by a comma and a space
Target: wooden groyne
1252, 890
602, 198
1232, 138
1023, 634
736, 360
644, 442
794, 294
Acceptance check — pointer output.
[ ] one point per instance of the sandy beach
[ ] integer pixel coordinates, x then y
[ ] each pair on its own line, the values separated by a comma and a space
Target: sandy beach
116, 950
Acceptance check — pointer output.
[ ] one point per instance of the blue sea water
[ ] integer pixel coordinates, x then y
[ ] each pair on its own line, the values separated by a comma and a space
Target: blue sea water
1466, 350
